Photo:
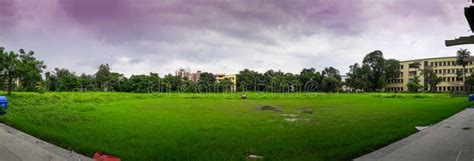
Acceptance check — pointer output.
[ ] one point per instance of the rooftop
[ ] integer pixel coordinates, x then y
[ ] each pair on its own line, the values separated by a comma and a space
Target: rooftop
428, 59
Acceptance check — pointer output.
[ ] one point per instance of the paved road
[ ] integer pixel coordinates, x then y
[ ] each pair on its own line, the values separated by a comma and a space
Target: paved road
449, 140
18, 146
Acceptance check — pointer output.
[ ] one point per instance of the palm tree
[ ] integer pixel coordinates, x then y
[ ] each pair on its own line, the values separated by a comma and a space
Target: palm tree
462, 55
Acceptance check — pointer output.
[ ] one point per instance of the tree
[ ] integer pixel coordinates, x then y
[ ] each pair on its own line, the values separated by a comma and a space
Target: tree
376, 62
170, 83
249, 80
310, 79
117, 82
207, 78
358, 77
51, 81
30, 70
187, 86
414, 84
144, 83
274, 81
284, 82
331, 72
462, 55
431, 78
374, 73
140, 83
103, 77
10, 67
331, 84
206, 82
67, 81
331, 80
392, 69
470, 81
86, 82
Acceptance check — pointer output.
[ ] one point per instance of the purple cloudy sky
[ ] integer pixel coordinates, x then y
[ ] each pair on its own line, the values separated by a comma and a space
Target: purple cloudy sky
142, 36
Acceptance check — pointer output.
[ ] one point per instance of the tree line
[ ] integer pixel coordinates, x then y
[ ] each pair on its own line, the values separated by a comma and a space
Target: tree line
328, 80
21, 71
105, 80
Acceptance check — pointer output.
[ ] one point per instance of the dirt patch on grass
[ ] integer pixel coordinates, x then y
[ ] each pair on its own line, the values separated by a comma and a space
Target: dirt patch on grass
306, 111
268, 108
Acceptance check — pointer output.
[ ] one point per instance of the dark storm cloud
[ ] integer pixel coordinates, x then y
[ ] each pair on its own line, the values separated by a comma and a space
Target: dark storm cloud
7, 13
127, 20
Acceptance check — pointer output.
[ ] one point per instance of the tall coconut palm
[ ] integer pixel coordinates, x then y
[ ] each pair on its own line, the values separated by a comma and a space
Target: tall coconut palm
462, 55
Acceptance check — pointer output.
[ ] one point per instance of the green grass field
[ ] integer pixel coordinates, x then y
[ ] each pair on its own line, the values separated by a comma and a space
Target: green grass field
216, 127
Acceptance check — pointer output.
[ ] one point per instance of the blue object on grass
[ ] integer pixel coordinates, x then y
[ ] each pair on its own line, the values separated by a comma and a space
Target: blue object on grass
3, 104
471, 97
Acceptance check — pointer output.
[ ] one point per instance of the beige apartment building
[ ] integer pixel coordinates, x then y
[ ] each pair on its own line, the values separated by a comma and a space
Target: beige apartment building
232, 78
444, 67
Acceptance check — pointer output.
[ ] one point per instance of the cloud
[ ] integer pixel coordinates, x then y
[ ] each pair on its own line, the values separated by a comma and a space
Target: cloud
142, 36
7, 13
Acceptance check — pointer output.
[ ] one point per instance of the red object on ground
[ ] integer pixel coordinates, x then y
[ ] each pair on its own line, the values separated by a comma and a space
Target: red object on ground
99, 156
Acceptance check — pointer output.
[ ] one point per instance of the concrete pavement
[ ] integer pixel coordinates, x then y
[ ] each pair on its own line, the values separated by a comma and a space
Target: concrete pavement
18, 146
449, 140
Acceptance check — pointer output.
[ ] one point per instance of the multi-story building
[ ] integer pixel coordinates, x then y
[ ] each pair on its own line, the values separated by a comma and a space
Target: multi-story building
232, 78
444, 67
195, 76
183, 73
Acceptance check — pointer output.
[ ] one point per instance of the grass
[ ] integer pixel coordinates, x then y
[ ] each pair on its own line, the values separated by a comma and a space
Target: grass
210, 127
